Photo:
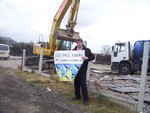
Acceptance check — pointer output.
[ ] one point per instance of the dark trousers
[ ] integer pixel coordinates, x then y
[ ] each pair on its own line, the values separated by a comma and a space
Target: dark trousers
80, 85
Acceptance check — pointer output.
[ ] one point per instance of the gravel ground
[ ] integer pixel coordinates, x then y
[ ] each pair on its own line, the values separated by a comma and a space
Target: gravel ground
17, 96
12, 62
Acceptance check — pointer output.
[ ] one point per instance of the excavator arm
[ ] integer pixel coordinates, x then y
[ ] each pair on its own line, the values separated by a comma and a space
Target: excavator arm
73, 14
68, 33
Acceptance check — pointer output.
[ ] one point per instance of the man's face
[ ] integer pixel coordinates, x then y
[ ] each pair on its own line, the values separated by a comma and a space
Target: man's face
79, 43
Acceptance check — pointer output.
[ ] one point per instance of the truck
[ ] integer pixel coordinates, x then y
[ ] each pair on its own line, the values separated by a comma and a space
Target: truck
59, 39
127, 58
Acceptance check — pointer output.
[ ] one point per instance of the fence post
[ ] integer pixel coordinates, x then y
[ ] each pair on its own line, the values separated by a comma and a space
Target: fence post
41, 60
23, 59
143, 77
88, 73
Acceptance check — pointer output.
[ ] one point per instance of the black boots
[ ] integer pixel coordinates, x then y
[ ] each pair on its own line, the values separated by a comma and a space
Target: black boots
86, 102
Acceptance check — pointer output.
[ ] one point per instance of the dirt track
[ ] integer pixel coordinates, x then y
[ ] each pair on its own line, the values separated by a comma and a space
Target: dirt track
12, 62
16, 96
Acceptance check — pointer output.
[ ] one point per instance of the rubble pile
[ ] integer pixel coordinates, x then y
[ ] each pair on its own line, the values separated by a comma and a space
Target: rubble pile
124, 88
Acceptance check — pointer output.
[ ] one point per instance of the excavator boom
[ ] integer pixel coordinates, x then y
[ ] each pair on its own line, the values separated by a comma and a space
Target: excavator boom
57, 34
67, 34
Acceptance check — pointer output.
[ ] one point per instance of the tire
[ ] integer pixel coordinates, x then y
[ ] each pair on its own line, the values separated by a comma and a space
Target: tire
6, 58
124, 68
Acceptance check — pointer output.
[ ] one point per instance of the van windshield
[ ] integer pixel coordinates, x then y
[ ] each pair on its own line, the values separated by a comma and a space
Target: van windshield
3, 47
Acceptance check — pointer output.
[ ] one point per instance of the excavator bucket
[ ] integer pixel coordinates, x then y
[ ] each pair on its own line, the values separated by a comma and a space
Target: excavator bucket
62, 34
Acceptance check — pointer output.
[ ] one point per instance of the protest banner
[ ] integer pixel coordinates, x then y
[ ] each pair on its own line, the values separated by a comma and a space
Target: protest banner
68, 63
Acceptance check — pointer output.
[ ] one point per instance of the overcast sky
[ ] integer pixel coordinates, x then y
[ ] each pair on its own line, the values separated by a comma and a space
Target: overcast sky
100, 22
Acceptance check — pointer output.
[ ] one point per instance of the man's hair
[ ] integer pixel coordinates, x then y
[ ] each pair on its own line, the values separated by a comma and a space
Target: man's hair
79, 40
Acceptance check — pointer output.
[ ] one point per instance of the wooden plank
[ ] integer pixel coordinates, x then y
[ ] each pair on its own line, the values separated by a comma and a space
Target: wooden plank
146, 98
127, 89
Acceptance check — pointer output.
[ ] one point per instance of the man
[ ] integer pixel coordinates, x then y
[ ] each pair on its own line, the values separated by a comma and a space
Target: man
80, 80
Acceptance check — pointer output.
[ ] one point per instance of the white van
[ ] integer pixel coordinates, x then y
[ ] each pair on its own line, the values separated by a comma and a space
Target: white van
4, 51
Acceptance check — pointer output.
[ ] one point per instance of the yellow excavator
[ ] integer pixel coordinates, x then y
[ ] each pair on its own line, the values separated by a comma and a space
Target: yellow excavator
59, 39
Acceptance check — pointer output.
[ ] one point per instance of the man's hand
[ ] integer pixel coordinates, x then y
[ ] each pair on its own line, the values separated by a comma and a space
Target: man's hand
85, 58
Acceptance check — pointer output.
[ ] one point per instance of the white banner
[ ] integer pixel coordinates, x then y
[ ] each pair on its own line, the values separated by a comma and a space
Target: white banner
68, 57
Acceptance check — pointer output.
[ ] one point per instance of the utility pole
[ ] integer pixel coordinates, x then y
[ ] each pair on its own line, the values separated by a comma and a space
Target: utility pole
143, 77
41, 60
23, 59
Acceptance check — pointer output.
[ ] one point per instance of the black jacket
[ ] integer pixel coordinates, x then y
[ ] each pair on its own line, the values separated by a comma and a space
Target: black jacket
90, 56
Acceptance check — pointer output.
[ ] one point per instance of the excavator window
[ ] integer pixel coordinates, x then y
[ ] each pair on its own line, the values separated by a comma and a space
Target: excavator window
65, 45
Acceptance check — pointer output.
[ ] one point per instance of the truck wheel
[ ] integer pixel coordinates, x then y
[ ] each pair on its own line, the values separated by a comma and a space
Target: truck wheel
124, 68
6, 58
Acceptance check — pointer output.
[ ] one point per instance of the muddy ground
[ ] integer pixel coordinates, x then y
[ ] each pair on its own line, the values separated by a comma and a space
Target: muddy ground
17, 96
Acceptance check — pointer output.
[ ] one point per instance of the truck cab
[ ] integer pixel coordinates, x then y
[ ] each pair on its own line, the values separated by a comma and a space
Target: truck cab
120, 57
126, 59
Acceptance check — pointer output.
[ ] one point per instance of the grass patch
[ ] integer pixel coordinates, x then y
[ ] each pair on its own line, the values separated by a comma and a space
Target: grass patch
98, 103
34, 79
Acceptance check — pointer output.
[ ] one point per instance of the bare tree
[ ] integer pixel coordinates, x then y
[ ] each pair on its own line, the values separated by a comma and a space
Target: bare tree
106, 49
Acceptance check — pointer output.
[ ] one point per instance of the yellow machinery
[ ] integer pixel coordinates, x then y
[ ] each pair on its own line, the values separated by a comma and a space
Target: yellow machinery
60, 39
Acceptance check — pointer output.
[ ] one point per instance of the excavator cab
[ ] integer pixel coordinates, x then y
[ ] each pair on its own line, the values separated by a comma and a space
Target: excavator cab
65, 45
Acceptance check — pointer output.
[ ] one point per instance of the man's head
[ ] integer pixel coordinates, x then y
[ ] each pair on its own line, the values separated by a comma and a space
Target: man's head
79, 40
79, 43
